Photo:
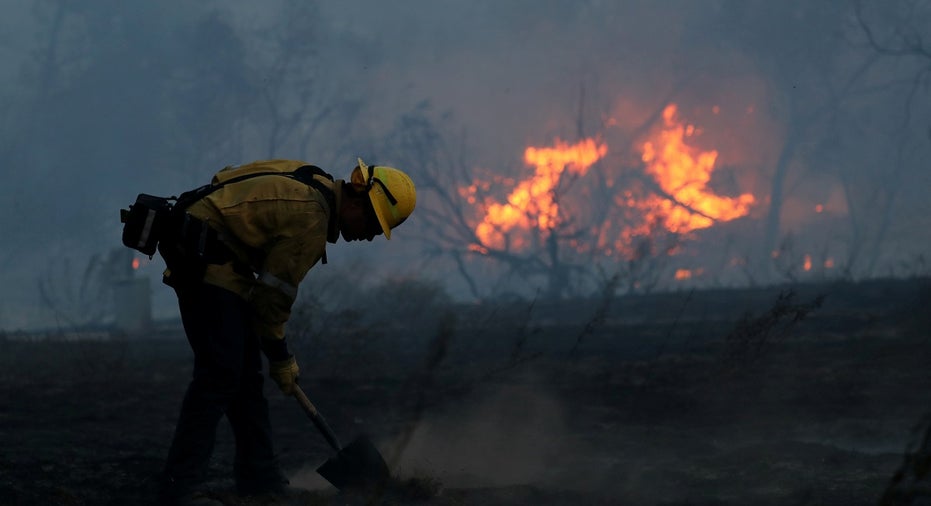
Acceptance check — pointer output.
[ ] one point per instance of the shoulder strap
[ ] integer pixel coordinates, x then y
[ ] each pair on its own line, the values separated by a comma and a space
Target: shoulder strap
304, 174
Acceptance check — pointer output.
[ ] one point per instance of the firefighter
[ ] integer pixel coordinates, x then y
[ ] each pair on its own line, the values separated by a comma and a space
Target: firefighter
240, 250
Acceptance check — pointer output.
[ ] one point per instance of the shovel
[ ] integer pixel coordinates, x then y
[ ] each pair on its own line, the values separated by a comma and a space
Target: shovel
357, 466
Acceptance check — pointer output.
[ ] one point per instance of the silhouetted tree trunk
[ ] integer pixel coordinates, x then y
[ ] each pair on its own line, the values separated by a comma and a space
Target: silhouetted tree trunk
776, 194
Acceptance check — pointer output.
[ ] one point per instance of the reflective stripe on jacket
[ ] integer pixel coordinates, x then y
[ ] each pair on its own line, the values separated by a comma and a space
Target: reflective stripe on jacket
275, 225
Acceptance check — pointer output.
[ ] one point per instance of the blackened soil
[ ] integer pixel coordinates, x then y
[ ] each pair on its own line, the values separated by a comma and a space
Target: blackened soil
668, 408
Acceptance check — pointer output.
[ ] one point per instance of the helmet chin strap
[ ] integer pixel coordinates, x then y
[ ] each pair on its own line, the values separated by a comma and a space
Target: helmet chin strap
388, 194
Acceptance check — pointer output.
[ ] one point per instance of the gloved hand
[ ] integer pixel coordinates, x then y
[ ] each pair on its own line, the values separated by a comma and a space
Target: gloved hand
285, 374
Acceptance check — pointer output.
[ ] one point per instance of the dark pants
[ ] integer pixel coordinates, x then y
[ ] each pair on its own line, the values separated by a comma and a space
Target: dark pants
227, 381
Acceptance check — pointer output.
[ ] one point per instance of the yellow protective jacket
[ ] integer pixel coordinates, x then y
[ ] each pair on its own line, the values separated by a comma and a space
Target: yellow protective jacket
278, 227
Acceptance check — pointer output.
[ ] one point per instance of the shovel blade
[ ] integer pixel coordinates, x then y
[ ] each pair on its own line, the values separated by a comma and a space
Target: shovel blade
358, 466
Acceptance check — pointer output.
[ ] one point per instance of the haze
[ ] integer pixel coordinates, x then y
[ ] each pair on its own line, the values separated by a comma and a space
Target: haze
827, 130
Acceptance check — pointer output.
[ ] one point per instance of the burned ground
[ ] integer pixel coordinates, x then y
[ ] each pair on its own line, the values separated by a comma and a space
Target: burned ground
796, 395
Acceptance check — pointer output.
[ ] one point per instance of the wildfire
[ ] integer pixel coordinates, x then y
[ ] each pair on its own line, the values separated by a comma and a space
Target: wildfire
685, 274
683, 173
532, 203
674, 198
136, 263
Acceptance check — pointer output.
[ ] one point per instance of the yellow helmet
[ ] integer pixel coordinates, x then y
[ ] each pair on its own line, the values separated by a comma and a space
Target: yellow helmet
391, 191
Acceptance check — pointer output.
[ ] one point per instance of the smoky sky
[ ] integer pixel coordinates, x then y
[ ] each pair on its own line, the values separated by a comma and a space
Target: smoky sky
104, 100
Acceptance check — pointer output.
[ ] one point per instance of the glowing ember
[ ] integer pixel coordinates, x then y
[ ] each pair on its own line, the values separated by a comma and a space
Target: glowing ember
135, 263
684, 274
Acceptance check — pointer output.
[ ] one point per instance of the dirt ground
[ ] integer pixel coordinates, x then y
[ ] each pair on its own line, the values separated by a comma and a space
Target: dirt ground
771, 397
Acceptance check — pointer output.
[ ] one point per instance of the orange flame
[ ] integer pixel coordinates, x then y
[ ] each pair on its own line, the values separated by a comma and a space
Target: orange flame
136, 263
679, 201
683, 173
685, 274
531, 204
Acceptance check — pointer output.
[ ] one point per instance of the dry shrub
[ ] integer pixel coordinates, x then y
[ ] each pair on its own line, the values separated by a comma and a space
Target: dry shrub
349, 325
753, 335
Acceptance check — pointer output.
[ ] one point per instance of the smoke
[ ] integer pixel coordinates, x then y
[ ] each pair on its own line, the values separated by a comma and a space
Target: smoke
521, 434
511, 435
96, 122
505, 438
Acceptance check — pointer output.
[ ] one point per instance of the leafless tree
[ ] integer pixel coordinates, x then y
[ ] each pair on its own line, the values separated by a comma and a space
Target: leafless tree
809, 107
899, 29
77, 298
296, 109
897, 32
570, 254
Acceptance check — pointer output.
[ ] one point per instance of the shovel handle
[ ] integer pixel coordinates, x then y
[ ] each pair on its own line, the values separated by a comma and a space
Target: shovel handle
317, 418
